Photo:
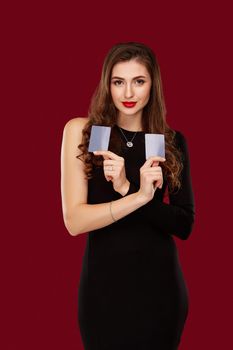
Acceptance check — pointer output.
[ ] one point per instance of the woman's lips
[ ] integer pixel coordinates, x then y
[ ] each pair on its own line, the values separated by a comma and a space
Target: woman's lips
129, 104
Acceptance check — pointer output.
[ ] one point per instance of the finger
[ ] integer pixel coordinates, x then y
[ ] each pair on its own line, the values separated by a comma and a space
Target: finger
111, 162
158, 184
109, 172
111, 168
155, 164
108, 177
105, 156
158, 179
150, 161
157, 158
157, 176
154, 177
152, 169
109, 154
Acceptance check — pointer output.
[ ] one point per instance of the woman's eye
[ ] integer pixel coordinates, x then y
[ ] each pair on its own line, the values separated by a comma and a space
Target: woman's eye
117, 81
141, 81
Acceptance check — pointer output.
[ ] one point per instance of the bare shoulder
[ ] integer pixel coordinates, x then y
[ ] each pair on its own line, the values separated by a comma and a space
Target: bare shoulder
72, 136
75, 125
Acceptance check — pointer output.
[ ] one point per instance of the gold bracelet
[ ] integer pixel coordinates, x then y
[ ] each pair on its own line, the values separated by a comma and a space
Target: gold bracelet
111, 212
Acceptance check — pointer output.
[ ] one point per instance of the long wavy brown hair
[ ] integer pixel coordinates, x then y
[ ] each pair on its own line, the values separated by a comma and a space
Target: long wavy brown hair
103, 112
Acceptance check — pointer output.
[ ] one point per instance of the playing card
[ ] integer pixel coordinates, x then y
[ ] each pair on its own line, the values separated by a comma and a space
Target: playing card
99, 138
155, 145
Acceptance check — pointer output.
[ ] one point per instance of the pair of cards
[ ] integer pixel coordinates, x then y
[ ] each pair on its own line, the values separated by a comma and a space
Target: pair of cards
100, 135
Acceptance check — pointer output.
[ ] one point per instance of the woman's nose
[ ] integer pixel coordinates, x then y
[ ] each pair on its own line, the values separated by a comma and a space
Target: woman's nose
128, 91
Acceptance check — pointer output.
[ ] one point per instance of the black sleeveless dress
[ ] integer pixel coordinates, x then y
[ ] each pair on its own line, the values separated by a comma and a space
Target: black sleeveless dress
132, 293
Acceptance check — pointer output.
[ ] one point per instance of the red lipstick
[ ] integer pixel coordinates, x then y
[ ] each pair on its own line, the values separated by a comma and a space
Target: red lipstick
129, 104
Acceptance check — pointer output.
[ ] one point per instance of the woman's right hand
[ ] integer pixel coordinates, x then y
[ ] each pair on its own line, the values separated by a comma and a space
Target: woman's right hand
150, 172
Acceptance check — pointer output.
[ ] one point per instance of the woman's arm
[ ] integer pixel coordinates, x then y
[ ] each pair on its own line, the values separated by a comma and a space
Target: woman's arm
178, 216
88, 217
80, 217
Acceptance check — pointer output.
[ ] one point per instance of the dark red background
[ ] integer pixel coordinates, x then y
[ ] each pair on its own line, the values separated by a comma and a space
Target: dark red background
51, 62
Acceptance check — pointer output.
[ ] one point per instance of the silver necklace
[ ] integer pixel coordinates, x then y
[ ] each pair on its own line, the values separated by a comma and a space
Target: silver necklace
128, 143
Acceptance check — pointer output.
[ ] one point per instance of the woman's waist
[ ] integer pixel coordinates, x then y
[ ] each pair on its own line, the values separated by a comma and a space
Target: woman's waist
116, 240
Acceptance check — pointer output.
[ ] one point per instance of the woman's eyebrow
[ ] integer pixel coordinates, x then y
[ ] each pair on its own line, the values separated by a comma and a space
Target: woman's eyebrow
139, 76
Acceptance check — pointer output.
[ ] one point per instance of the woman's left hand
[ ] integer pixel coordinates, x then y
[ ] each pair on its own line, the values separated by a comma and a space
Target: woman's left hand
114, 169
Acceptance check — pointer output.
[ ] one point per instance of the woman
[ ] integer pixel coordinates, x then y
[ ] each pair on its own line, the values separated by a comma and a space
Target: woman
132, 294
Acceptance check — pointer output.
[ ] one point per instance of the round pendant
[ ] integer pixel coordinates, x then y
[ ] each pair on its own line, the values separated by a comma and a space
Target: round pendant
129, 144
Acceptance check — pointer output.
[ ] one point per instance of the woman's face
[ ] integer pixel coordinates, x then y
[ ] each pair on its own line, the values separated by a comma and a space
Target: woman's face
130, 82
